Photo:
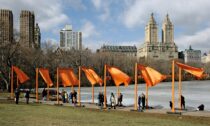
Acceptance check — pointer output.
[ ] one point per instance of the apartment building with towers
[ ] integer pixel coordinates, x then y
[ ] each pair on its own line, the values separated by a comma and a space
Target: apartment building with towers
29, 33
6, 26
152, 48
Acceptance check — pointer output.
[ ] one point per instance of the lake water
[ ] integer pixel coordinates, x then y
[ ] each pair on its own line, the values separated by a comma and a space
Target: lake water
195, 93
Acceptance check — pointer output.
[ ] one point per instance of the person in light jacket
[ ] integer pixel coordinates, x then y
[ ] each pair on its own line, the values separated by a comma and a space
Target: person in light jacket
112, 101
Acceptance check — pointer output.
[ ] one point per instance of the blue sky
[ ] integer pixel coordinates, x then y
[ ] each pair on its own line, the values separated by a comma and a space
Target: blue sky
118, 22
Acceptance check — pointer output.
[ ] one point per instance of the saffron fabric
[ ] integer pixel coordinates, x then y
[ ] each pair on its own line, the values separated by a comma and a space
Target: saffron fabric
68, 77
118, 76
198, 72
92, 76
20, 74
46, 76
151, 76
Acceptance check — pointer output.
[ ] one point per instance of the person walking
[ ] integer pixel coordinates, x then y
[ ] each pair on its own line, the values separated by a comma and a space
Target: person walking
44, 95
17, 94
170, 104
139, 102
120, 98
74, 97
70, 97
63, 96
27, 95
143, 101
182, 102
112, 101
66, 96
100, 100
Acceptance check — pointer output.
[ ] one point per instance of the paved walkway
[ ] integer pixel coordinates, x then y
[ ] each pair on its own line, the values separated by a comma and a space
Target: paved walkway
129, 108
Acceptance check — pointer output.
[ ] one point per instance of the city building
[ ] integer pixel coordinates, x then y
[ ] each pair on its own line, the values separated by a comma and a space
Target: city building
152, 48
27, 23
70, 39
205, 58
37, 37
126, 50
6, 26
192, 56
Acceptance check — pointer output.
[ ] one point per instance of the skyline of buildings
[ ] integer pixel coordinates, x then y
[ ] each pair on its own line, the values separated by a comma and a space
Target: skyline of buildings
30, 36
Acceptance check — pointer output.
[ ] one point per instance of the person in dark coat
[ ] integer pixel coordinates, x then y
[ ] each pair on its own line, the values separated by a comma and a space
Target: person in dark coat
27, 95
139, 102
44, 94
182, 102
143, 101
74, 97
200, 107
120, 100
170, 104
17, 94
100, 99
63, 96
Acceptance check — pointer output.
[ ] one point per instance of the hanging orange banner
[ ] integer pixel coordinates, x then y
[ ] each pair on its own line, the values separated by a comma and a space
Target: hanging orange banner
151, 76
46, 76
92, 76
73, 77
21, 75
118, 76
198, 72
95, 75
68, 77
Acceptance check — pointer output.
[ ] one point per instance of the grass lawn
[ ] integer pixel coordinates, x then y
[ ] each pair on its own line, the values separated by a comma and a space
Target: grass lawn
46, 115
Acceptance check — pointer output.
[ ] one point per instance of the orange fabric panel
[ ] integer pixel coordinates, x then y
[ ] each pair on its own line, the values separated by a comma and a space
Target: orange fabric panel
151, 76
92, 76
95, 75
65, 77
46, 76
73, 77
89, 76
118, 76
21, 75
68, 77
198, 72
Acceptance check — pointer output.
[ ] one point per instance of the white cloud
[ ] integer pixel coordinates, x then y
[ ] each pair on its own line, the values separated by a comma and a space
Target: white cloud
190, 18
188, 13
88, 30
103, 7
97, 3
199, 40
48, 13
76, 4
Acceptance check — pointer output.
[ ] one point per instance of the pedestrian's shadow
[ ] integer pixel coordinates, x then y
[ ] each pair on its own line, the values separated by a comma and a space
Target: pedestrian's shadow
156, 107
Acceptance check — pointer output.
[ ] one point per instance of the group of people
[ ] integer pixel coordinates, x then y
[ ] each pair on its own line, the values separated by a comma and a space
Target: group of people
71, 98
17, 95
182, 103
141, 102
112, 100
